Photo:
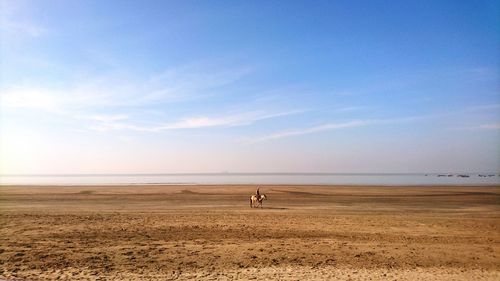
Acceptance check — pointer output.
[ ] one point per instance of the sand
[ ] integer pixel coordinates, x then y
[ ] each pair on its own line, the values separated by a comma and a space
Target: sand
210, 232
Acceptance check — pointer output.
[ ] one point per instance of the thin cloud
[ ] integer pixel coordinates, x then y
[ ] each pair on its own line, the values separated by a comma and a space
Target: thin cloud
190, 82
350, 108
31, 98
330, 127
310, 130
225, 121
13, 23
124, 90
483, 107
490, 126
482, 73
22, 28
480, 127
132, 95
106, 118
242, 119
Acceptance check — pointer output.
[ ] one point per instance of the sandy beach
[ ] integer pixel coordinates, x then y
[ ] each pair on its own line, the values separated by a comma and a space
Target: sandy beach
210, 232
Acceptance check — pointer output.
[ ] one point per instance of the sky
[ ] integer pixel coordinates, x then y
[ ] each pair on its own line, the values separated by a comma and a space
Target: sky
249, 86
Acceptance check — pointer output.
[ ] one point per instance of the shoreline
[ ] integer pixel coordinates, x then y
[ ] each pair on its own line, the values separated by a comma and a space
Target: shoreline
313, 179
251, 184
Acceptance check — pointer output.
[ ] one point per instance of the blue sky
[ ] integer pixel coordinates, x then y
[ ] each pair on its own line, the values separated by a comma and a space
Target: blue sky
249, 86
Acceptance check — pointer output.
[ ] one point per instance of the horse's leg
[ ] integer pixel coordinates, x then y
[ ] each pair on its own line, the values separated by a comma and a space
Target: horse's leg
251, 203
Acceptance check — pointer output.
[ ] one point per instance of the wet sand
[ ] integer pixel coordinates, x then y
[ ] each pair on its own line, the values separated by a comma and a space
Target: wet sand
210, 232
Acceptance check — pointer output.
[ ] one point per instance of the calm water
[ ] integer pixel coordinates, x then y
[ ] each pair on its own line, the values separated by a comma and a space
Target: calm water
229, 178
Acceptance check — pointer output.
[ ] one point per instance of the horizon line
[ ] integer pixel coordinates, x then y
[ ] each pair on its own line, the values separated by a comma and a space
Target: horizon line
242, 174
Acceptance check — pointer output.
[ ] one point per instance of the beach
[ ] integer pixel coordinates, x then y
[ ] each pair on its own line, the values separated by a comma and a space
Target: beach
209, 232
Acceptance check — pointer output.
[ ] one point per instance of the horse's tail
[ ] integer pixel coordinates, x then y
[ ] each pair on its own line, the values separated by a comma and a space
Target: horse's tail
250, 202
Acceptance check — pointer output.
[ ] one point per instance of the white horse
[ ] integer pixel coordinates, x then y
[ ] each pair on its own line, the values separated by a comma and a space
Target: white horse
256, 201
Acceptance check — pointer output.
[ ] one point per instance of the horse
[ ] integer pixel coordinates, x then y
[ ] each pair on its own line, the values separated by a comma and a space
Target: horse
256, 201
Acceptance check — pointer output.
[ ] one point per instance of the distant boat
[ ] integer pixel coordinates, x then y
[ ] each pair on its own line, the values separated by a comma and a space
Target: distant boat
463, 176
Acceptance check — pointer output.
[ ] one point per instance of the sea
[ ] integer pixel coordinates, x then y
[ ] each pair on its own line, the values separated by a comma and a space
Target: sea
255, 178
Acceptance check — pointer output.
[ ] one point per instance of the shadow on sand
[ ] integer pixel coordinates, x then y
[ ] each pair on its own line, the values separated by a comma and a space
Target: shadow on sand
275, 208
